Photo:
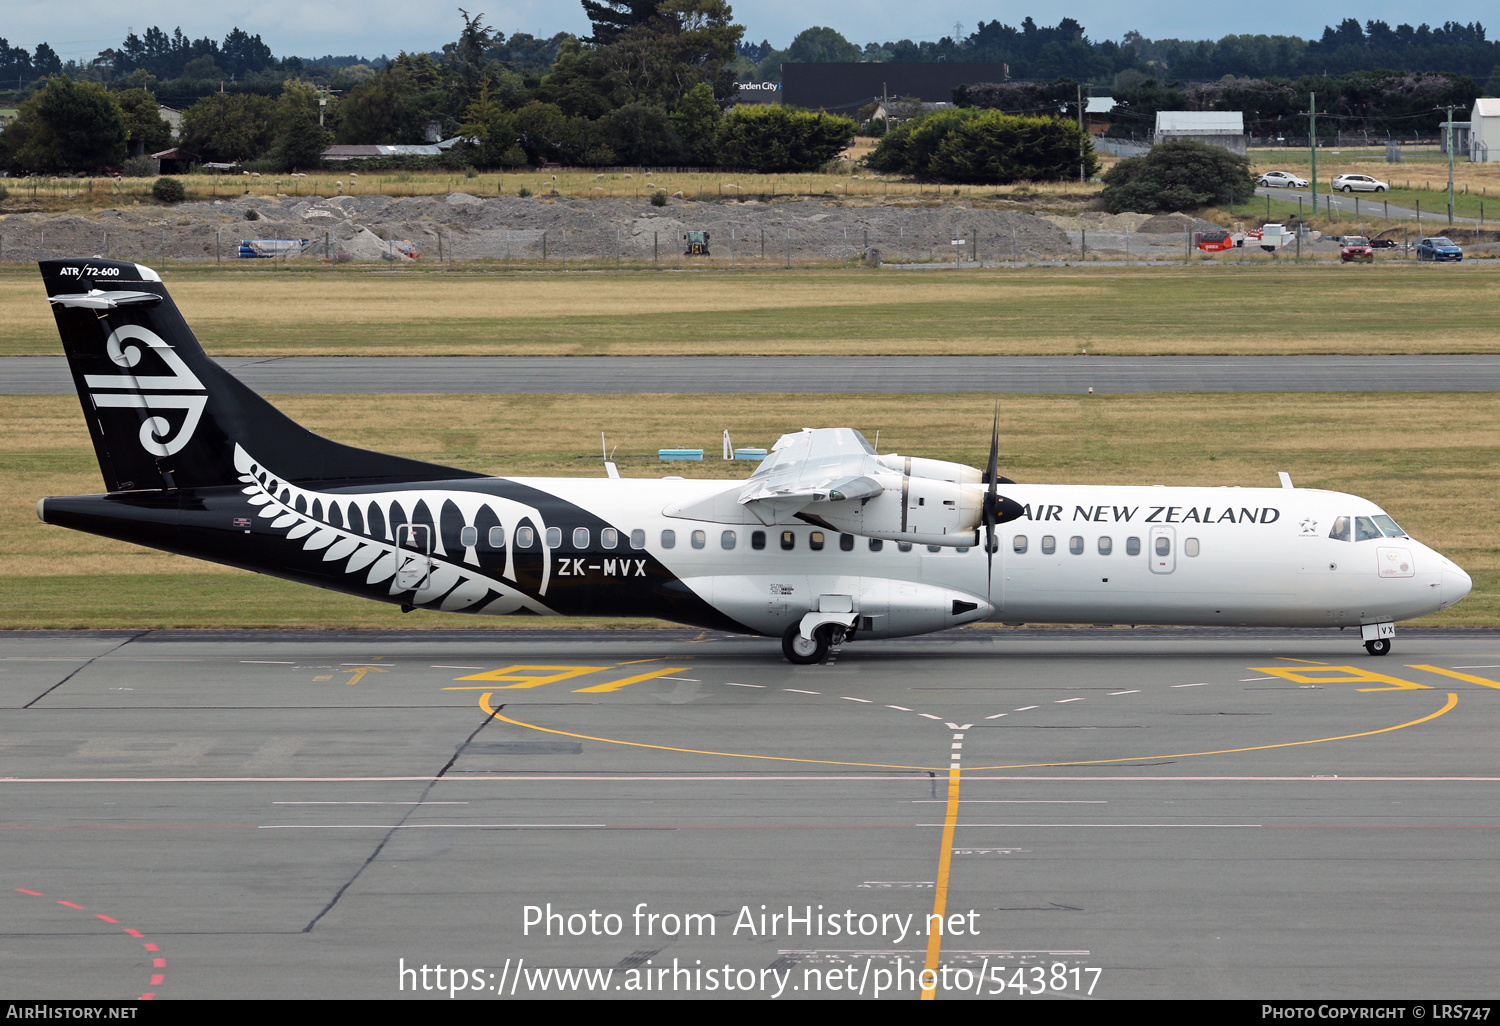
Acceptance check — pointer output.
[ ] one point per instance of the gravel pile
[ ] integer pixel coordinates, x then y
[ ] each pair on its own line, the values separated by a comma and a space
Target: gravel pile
362, 227
1176, 224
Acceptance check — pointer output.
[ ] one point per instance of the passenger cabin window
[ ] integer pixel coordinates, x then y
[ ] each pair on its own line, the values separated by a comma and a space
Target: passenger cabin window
468, 537
497, 537
580, 537
1132, 546
1164, 546
609, 538
1018, 543
1389, 526
668, 539
1340, 530
903, 546
525, 536
699, 539
1049, 544
788, 540
727, 539
1365, 529
846, 543
554, 537
876, 544
815, 541
637, 539
1075, 545
1190, 546
757, 540
934, 548
1106, 545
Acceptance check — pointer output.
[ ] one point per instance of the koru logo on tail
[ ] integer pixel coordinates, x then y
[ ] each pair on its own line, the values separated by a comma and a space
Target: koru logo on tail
129, 390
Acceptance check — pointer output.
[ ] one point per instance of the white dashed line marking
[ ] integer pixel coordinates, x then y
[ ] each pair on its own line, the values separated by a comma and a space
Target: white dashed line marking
898, 708
930, 716
957, 746
1486, 666
1247, 680
732, 684
1026, 707
848, 699
287, 662
1064, 701
690, 680
440, 666
996, 716
1204, 685
1137, 691
799, 691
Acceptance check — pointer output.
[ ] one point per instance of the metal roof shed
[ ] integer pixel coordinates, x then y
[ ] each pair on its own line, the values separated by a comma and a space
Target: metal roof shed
1224, 128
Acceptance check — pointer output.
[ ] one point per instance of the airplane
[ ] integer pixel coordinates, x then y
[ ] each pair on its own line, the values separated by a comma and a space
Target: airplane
828, 541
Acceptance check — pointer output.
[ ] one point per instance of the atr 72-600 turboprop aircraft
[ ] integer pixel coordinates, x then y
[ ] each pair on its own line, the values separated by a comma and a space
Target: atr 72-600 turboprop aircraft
826, 542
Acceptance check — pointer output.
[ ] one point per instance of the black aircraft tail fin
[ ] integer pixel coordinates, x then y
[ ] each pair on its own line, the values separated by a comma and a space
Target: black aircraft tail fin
162, 414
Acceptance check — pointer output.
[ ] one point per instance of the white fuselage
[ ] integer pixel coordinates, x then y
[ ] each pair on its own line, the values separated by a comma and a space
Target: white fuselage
1078, 554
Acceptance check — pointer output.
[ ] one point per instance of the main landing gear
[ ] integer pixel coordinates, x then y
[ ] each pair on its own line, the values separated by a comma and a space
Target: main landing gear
1378, 637
825, 643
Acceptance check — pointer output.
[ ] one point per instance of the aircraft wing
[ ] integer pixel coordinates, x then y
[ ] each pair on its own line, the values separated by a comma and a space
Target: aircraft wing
812, 466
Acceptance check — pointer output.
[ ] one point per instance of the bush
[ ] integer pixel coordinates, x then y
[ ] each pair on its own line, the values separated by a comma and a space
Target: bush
469, 171
659, 198
138, 167
1177, 175
252, 215
523, 192
4, 193
985, 147
168, 190
773, 138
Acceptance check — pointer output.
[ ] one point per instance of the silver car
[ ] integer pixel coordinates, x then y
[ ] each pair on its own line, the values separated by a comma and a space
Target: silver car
1358, 183
1282, 180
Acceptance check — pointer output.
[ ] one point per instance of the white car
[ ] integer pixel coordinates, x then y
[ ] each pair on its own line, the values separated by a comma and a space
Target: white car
1282, 179
1358, 183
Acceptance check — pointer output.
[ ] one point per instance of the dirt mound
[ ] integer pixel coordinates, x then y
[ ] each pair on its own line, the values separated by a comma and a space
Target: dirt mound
1176, 223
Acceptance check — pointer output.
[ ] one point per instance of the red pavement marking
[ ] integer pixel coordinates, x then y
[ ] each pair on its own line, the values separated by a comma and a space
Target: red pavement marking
156, 963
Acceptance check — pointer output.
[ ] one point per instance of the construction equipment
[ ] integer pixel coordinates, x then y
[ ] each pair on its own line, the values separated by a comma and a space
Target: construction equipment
697, 244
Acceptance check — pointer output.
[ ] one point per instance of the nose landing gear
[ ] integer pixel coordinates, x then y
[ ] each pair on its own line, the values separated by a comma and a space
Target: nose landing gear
1378, 646
1377, 637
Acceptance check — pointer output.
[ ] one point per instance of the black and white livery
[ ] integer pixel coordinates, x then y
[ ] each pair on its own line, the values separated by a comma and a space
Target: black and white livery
827, 542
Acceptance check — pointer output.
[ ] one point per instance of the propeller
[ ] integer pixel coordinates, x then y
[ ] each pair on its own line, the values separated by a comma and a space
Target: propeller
992, 501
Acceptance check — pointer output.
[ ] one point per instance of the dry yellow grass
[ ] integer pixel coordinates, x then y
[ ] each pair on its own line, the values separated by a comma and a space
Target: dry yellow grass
1390, 308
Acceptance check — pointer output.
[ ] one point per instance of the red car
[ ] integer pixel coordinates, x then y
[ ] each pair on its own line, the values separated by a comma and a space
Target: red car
1356, 247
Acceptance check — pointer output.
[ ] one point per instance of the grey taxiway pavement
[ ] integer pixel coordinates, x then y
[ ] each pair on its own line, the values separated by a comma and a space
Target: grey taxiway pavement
1245, 814
36, 375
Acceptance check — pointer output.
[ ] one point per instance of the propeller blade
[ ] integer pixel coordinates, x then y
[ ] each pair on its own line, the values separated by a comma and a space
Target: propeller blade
992, 501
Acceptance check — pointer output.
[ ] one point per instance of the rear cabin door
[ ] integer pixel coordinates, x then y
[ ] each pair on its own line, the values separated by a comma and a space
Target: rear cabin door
414, 570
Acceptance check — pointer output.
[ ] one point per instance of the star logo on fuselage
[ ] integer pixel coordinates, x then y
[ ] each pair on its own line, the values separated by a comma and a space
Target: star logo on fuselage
1309, 527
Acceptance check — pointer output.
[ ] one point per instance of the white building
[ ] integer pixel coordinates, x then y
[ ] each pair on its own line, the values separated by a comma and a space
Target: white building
1484, 131
1224, 128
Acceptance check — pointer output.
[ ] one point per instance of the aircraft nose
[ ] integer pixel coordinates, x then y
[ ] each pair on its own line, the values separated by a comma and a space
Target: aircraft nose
1456, 584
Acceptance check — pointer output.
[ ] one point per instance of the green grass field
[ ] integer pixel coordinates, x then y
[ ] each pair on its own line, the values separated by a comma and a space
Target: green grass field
1391, 307
1431, 460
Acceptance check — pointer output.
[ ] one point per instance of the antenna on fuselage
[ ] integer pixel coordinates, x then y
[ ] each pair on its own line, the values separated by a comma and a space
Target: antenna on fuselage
1286, 479
610, 469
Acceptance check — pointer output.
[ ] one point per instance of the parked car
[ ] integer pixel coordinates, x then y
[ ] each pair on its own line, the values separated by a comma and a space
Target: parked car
1379, 243
1282, 179
1358, 183
1356, 247
1438, 248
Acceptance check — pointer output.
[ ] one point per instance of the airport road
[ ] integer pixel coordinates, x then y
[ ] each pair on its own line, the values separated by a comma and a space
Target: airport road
1226, 814
1370, 204
37, 375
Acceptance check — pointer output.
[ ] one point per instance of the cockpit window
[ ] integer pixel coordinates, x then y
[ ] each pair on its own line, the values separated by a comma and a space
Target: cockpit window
1365, 529
1389, 526
1340, 530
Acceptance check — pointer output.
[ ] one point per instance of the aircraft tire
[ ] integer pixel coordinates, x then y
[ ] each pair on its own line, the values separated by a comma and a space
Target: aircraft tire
1378, 646
802, 652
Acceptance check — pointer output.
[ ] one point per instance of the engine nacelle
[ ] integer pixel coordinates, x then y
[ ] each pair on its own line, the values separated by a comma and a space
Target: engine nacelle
921, 510
937, 470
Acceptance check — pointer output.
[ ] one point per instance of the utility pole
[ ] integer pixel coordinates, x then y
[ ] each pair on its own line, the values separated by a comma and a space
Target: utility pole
1314, 138
1450, 166
1081, 135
